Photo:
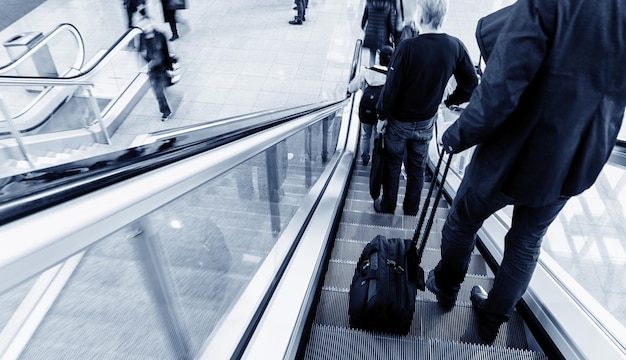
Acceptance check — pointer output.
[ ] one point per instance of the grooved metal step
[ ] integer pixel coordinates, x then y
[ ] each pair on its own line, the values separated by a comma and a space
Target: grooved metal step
330, 342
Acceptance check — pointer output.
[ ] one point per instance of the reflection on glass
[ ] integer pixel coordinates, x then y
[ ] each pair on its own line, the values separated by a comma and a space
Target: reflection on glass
188, 260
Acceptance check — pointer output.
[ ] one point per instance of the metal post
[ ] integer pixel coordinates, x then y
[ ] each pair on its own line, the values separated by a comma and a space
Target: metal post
96, 112
16, 133
145, 242
307, 157
273, 187
325, 124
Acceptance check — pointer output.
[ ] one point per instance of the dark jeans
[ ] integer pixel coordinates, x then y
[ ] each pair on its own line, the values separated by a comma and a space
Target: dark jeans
301, 5
412, 138
158, 81
522, 245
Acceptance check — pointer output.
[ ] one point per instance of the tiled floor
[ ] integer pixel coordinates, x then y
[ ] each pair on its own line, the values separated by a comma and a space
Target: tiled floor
240, 56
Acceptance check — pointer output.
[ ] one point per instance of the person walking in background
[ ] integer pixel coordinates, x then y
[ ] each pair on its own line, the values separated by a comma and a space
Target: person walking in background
377, 22
131, 8
374, 79
301, 8
169, 15
418, 74
544, 126
406, 12
154, 49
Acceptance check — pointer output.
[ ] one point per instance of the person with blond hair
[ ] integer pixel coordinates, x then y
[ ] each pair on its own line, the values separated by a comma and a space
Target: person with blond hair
418, 74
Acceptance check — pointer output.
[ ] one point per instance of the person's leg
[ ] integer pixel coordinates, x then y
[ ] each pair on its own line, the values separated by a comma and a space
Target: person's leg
465, 217
395, 145
130, 13
300, 16
173, 27
522, 245
415, 164
366, 138
158, 80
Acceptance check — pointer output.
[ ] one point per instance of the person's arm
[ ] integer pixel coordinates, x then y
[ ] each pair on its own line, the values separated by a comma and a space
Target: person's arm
466, 79
515, 60
395, 76
356, 83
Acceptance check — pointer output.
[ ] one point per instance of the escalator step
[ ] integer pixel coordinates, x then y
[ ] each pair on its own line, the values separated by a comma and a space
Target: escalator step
364, 233
429, 320
346, 344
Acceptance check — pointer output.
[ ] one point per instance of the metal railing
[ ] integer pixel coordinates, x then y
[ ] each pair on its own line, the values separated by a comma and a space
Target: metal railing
76, 79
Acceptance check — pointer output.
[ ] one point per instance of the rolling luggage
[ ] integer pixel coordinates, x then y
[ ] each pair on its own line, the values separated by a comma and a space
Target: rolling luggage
388, 274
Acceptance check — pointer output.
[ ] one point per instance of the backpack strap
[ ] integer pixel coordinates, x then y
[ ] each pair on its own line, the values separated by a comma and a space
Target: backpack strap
378, 70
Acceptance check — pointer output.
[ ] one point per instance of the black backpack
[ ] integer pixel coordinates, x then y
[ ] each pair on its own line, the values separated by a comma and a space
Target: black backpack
367, 107
369, 99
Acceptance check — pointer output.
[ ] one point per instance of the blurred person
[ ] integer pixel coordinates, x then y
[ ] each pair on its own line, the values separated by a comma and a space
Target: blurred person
131, 9
169, 15
544, 120
419, 72
373, 78
301, 6
154, 49
377, 23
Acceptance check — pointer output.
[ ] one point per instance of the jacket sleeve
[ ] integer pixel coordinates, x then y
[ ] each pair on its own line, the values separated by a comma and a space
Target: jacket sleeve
356, 83
393, 83
466, 79
517, 56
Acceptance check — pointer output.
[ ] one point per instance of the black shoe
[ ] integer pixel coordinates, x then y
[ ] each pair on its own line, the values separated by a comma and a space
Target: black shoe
296, 21
445, 300
166, 116
377, 206
174, 37
303, 18
488, 325
366, 159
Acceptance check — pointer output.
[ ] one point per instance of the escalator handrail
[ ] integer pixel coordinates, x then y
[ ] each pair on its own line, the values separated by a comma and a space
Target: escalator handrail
83, 77
24, 194
80, 57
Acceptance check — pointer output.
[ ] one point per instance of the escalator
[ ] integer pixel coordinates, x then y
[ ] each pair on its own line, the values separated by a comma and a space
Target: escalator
55, 117
232, 240
238, 239
434, 334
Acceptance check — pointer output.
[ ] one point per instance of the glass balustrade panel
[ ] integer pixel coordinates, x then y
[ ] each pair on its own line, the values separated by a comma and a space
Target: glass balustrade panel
207, 246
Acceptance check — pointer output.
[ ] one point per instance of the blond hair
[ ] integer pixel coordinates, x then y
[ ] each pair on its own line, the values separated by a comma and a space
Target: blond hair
433, 12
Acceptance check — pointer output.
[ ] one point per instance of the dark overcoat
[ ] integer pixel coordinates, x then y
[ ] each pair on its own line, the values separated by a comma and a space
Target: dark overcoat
548, 110
378, 23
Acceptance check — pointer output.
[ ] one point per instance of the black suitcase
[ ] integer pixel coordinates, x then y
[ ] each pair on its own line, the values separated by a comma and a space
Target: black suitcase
388, 274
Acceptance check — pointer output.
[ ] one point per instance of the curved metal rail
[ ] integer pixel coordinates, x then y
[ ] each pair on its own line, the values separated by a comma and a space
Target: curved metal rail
80, 55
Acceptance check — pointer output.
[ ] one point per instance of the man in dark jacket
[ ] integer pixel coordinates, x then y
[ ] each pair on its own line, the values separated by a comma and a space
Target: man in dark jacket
545, 119
418, 74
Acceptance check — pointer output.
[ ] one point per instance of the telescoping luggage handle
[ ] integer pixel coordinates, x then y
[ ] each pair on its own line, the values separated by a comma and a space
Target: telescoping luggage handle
431, 218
